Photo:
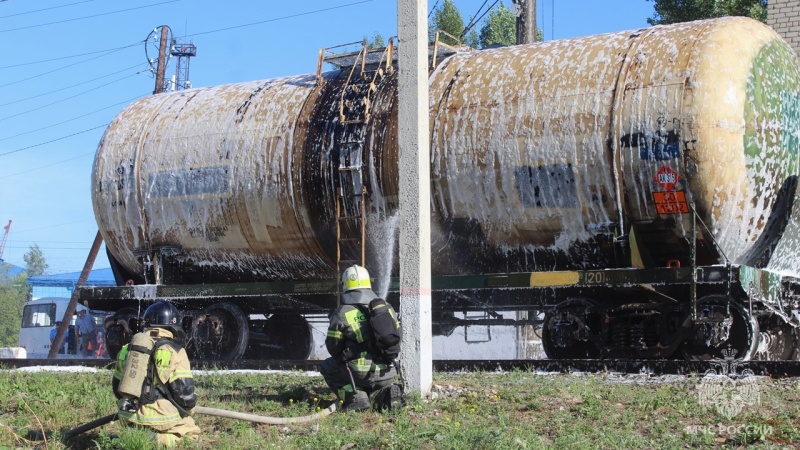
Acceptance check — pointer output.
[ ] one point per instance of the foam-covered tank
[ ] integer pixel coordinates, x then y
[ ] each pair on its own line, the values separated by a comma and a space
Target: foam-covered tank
557, 155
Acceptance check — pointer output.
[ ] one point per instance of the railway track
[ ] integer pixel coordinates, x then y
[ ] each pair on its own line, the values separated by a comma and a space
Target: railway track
774, 369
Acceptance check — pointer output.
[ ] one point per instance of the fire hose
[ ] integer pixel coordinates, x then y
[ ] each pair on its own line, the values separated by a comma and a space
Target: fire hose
216, 412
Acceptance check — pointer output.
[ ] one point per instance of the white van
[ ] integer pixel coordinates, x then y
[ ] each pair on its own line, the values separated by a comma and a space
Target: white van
39, 319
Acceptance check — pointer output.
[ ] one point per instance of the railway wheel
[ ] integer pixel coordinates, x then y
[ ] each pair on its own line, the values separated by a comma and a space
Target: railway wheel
778, 341
219, 333
284, 336
721, 334
569, 330
117, 330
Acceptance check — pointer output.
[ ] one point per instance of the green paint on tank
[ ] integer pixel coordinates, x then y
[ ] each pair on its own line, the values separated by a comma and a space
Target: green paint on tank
771, 145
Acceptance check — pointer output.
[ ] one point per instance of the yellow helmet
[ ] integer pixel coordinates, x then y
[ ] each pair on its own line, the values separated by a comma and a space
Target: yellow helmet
355, 277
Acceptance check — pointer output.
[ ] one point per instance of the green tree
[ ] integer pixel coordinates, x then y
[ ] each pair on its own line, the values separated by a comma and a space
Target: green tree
673, 11
376, 41
35, 263
447, 18
14, 292
499, 28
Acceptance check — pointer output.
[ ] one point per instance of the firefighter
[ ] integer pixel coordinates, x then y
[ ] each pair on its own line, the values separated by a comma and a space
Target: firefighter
153, 380
354, 372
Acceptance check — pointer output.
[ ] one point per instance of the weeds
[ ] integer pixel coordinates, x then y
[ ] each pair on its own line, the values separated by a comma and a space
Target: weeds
516, 410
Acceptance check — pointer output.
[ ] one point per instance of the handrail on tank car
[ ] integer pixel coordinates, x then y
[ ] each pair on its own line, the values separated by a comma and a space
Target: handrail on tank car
437, 42
341, 59
326, 53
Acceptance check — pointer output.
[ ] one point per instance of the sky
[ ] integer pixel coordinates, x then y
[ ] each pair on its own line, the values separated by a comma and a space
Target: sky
68, 67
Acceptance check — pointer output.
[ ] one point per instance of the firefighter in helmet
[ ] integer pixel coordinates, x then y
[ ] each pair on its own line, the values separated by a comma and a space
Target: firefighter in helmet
354, 372
153, 381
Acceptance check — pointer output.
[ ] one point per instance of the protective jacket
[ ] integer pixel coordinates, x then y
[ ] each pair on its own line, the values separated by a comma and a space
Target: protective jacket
167, 410
349, 341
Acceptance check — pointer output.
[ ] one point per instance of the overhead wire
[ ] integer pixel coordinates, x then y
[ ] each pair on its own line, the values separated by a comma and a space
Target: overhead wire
53, 140
109, 50
433, 9
44, 9
67, 98
48, 165
290, 16
71, 86
60, 68
478, 19
138, 43
74, 118
86, 17
472, 19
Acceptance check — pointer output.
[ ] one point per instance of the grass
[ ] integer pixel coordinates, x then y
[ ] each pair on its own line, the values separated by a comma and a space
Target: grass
517, 410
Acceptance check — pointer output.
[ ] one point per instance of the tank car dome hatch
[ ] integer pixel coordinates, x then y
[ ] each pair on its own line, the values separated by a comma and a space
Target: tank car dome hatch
543, 156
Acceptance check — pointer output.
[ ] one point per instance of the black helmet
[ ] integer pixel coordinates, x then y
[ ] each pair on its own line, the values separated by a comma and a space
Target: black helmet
163, 315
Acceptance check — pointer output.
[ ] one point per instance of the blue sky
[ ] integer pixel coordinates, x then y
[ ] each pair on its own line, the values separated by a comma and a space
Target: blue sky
67, 67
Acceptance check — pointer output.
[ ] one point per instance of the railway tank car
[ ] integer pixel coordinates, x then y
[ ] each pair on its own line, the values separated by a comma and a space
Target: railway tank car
636, 188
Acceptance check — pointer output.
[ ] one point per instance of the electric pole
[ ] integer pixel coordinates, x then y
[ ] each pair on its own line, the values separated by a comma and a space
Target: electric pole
162, 61
526, 21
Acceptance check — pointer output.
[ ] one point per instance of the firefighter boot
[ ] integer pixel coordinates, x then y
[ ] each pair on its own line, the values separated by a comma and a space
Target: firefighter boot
388, 398
355, 401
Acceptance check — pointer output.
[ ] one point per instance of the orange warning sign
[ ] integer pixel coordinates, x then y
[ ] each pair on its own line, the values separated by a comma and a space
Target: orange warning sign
673, 202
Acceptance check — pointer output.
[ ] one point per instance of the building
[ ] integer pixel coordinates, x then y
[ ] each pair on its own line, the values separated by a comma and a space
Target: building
784, 17
62, 285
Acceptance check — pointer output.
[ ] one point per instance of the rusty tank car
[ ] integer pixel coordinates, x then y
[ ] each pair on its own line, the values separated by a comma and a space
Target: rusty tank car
632, 192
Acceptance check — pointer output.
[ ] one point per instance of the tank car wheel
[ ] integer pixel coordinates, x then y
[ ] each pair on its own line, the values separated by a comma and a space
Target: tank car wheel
567, 331
286, 336
219, 333
778, 341
118, 331
732, 336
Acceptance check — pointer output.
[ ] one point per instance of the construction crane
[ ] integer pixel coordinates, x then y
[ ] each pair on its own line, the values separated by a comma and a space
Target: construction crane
5, 237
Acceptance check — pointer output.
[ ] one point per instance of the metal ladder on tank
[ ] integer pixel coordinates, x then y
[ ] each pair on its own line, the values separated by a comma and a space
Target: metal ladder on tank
354, 115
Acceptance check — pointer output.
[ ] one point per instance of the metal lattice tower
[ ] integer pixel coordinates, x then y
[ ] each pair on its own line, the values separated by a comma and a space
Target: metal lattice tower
183, 52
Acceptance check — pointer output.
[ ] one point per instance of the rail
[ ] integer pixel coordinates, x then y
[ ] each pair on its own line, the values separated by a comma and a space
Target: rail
643, 367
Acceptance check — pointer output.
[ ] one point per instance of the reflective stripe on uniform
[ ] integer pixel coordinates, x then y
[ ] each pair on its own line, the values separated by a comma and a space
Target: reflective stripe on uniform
354, 319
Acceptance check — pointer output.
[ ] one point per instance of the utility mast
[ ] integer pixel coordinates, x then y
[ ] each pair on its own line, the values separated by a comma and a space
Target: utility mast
183, 52
7, 228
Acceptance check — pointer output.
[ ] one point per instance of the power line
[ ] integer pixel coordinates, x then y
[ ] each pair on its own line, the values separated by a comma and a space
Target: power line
472, 19
52, 140
58, 69
109, 50
277, 18
87, 17
73, 85
433, 9
49, 165
58, 225
65, 99
475, 21
45, 9
74, 118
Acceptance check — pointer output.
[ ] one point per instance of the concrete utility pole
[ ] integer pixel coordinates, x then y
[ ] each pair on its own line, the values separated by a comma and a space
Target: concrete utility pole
526, 21
415, 197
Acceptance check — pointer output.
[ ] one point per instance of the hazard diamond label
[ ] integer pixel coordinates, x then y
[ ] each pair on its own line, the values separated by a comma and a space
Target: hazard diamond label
666, 178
